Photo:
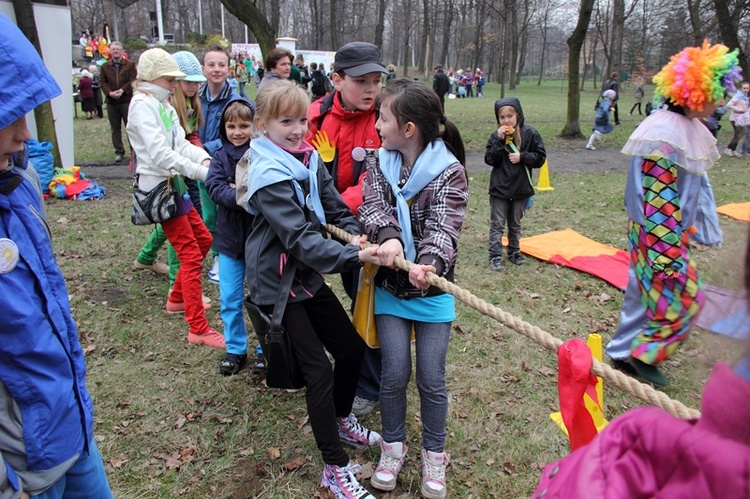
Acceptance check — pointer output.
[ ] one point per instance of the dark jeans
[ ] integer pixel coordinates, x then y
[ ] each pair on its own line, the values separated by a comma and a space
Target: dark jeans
369, 376
313, 324
739, 132
118, 114
502, 211
617, 113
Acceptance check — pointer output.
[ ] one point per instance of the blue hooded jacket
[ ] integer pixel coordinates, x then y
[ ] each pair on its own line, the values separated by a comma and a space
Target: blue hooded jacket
46, 413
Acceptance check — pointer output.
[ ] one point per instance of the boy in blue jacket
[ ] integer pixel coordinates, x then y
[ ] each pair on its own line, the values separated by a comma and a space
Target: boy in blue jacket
47, 447
233, 226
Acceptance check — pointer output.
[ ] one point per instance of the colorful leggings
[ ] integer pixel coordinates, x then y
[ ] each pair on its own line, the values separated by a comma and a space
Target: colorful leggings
672, 303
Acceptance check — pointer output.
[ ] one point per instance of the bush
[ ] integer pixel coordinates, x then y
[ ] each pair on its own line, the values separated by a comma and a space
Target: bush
197, 39
134, 44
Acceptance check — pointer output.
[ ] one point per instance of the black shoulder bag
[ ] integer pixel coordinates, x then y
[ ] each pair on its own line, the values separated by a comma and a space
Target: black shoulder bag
283, 369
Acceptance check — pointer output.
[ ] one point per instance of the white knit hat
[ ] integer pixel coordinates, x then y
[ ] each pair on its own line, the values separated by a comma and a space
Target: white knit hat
155, 63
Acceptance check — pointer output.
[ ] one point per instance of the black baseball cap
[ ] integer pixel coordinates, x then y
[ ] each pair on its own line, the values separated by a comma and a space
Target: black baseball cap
438, 67
358, 58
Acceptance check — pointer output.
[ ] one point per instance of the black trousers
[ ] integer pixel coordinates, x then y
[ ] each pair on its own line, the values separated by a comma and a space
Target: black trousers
312, 324
117, 114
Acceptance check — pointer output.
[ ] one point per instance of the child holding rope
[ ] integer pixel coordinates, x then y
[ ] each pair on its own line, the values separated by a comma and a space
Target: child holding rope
670, 151
414, 205
649, 453
292, 196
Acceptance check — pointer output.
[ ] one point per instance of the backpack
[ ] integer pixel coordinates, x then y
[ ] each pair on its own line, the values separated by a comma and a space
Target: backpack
318, 83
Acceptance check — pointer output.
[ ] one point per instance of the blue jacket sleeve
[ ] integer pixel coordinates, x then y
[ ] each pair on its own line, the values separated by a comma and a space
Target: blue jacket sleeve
219, 180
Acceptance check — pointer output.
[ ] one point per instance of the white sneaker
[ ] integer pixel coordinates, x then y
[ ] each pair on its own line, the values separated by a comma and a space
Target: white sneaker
354, 434
342, 484
391, 461
213, 272
590, 147
362, 407
433, 474
728, 152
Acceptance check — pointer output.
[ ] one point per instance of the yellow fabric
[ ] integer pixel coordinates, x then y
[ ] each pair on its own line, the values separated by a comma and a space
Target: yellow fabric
739, 211
364, 306
565, 243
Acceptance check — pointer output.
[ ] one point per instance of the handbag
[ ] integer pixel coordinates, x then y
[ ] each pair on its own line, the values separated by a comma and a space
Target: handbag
283, 370
154, 206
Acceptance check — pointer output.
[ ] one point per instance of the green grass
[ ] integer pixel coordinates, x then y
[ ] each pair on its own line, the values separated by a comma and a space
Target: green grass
169, 425
544, 108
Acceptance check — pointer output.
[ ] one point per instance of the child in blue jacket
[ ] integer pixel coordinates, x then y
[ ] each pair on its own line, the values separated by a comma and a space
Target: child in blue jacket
601, 121
233, 226
47, 446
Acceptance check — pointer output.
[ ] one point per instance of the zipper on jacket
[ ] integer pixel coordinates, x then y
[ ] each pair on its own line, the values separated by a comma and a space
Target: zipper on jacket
41, 221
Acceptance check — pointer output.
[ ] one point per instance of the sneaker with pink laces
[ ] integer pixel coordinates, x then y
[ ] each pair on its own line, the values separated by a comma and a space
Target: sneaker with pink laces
353, 433
433, 474
341, 482
391, 460
211, 338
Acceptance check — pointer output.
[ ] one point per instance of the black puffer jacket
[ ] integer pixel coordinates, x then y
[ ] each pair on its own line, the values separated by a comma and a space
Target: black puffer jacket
508, 180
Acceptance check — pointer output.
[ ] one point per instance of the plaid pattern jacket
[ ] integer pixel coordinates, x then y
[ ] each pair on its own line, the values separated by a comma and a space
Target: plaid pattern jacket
437, 214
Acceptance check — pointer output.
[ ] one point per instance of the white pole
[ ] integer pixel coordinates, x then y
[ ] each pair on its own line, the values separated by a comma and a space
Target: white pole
160, 23
200, 17
246, 34
222, 22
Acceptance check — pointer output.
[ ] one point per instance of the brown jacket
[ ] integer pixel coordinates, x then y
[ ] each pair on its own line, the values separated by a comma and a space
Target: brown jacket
113, 78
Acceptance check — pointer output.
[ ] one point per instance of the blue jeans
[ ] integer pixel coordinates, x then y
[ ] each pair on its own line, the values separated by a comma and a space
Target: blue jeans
432, 339
85, 480
232, 294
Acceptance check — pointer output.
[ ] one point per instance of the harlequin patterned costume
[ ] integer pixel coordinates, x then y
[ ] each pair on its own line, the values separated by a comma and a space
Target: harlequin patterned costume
670, 154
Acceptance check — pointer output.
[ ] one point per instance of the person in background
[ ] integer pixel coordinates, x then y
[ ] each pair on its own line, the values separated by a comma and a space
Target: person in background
613, 84
47, 445
278, 66
97, 87
391, 73
601, 121
86, 91
116, 79
440, 84
214, 96
318, 87
670, 153
638, 93
738, 105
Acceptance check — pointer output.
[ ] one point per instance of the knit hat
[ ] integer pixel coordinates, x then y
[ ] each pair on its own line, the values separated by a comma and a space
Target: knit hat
188, 64
155, 63
86, 73
609, 94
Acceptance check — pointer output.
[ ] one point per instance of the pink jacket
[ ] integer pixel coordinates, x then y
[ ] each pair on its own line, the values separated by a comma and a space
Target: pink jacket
649, 453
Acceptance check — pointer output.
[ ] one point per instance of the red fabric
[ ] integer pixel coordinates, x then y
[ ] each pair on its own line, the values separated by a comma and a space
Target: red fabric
76, 188
191, 239
648, 453
611, 268
194, 139
346, 130
574, 379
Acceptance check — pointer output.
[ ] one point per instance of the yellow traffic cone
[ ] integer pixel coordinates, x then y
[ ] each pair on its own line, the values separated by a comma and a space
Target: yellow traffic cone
544, 178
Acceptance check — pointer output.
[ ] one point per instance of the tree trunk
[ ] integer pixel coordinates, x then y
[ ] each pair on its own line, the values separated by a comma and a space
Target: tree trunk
43, 116
513, 28
524, 41
694, 9
407, 35
248, 13
423, 62
728, 30
572, 127
447, 22
334, 7
380, 27
618, 26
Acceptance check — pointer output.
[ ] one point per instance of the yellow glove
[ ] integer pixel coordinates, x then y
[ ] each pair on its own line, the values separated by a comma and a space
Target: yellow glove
325, 147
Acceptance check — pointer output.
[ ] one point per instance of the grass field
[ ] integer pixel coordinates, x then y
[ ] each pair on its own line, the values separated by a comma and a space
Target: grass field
169, 425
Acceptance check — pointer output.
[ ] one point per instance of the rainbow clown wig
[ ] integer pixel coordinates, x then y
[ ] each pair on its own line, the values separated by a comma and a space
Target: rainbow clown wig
698, 75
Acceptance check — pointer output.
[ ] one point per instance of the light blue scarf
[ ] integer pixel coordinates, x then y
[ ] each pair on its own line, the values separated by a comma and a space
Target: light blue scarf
432, 162
270, 164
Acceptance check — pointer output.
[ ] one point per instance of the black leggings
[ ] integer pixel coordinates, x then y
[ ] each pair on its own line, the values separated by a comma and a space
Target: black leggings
739, 132
638, 105
312, 324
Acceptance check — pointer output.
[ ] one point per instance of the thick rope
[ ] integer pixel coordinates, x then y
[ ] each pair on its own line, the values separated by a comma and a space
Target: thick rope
615, 378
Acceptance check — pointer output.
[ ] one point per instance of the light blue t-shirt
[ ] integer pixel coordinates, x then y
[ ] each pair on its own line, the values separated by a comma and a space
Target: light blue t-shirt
440, 308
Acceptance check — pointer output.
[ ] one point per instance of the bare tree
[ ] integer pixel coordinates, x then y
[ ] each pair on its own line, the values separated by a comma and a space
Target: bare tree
248, 13
572, 128
380, 26
728, 29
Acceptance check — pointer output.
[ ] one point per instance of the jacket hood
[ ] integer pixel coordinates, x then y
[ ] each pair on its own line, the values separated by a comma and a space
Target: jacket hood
25, 82
222, 131
509, 101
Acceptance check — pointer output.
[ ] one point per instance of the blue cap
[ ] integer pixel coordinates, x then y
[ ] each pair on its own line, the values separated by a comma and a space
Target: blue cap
25, 82
189, 65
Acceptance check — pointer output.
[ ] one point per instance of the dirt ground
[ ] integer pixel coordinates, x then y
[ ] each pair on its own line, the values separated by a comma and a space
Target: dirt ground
574, 158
